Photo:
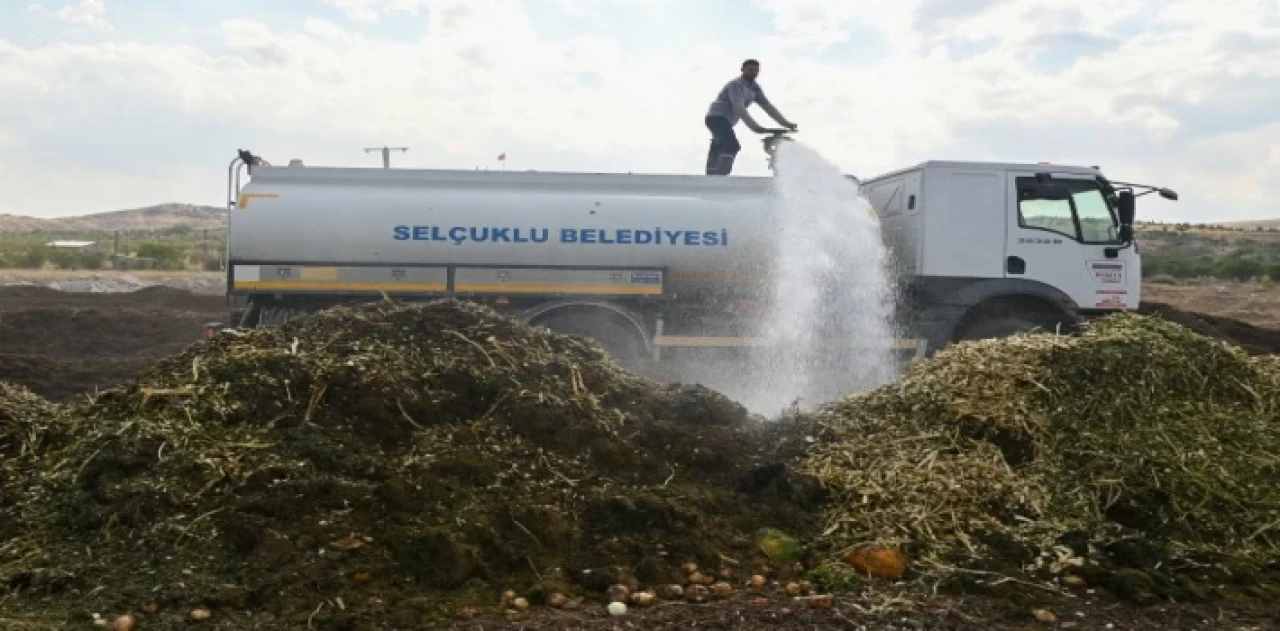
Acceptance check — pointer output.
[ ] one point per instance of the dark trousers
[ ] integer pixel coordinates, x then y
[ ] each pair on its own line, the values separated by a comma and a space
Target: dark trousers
724, 146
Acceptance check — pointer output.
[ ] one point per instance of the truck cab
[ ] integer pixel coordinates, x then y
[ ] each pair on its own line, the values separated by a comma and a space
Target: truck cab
992, 249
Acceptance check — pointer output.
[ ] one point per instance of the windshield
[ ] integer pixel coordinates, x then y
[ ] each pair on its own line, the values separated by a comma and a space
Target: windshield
1086, 217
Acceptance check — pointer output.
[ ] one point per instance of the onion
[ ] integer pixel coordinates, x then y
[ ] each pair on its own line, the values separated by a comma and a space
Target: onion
698, 578
618, 593
671, 592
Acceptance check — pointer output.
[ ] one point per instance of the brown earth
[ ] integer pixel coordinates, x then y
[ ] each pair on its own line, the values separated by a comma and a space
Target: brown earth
1257, 304
744, 612
967, 614
62, 344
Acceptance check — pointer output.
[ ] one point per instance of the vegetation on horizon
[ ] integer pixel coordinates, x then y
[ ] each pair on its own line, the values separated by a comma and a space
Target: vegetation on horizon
180, 248
1184, 251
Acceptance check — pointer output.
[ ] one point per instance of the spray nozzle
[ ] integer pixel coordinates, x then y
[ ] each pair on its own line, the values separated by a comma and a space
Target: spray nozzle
773, 138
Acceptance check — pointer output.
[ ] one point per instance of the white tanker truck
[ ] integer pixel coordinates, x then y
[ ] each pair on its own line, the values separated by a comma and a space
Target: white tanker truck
649, 264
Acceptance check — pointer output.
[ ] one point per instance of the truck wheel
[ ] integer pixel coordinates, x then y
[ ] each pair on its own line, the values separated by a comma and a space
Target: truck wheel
621, 342
989, 328
272, 317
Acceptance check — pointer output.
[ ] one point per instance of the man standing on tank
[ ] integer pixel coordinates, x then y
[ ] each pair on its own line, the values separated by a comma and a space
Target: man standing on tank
727, 109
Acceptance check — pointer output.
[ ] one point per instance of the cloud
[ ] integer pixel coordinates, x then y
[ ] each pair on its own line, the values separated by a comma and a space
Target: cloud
86, 14
1166, 92
371, 11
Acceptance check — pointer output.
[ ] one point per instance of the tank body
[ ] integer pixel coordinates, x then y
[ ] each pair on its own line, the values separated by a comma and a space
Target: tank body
696, 229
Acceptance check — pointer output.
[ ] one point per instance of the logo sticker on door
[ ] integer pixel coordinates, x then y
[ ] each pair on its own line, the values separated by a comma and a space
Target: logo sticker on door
1110, 298
1107, 272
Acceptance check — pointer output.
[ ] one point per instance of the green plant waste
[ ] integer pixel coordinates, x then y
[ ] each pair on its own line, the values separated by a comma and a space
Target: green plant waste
409, 459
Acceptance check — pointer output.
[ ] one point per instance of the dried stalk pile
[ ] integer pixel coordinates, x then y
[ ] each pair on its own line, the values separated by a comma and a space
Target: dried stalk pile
1140, 457
394, 460
29, 429
26, 421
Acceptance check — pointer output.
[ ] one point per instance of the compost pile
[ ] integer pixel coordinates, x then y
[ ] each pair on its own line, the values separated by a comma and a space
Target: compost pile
391, 462
29, 428
1139, 457
26, 421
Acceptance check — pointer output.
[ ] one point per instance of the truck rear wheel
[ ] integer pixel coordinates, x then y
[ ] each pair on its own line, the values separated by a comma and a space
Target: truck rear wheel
621, 342
1003, 326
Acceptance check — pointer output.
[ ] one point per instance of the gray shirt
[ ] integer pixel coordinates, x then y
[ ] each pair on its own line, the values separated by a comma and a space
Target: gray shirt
734, 99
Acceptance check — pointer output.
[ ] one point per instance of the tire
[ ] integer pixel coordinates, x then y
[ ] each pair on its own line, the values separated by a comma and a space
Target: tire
622, 343
273, 317
1004, 326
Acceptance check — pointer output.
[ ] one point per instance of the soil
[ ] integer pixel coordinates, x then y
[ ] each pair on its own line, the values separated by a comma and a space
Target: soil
1255, 303
63, 344
863, 614
744, 612
1252, 338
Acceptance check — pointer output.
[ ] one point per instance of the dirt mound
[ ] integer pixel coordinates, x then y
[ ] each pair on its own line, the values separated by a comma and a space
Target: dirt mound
1254, 339
61, 345
402, 460
65, 380
73, 333
1140, 457
18, 297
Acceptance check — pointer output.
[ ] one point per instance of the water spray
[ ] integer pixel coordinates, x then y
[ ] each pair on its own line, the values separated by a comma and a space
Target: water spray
826, 332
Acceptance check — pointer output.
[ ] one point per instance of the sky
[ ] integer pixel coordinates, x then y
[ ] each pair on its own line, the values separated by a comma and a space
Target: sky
111, 104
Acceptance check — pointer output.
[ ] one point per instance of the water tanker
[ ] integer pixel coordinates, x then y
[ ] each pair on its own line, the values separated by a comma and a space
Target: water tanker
650, 263
396, 230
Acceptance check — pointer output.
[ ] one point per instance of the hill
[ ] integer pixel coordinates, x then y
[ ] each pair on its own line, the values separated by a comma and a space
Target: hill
1254, 225
157, 217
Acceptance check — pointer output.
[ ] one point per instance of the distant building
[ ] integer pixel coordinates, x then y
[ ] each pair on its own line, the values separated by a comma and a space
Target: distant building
73, 245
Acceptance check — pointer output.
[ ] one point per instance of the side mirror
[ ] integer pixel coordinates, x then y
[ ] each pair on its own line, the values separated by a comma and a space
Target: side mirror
1169, 194
1126, 233
1125, 207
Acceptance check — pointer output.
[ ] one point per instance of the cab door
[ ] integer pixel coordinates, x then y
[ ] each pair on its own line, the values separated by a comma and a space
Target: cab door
1062, 232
